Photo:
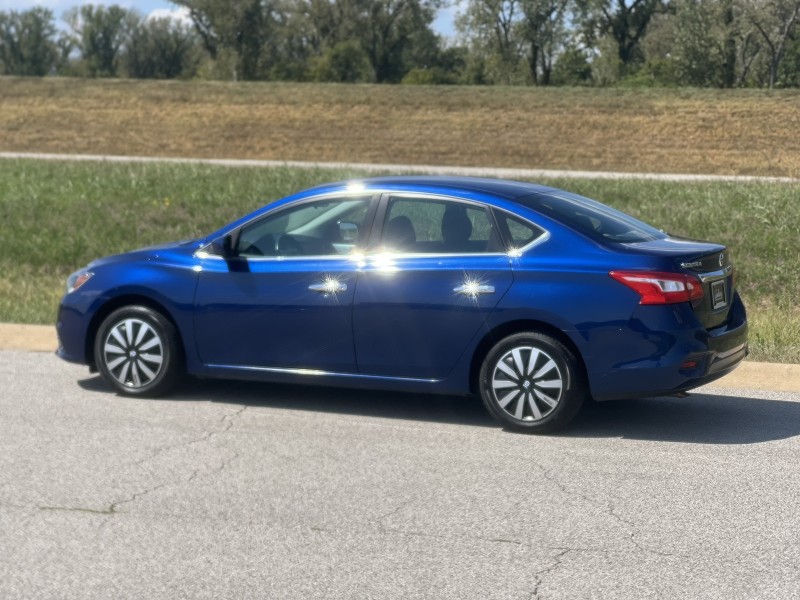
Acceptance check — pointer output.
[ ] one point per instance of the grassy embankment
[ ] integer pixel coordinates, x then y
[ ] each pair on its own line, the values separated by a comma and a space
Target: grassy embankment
668, 131
58, 216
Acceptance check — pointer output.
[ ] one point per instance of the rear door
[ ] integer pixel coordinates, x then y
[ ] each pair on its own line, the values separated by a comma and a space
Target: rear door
427, 290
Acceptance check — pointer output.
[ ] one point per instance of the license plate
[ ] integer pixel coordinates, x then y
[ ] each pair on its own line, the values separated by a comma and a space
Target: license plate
718, 296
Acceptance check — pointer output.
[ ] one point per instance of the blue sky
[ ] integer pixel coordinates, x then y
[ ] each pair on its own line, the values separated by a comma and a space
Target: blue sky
443, 23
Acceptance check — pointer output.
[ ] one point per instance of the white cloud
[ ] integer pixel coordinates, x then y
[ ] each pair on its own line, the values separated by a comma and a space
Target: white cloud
180, 14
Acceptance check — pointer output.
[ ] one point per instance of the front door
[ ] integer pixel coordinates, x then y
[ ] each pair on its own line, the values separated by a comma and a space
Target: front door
284, 298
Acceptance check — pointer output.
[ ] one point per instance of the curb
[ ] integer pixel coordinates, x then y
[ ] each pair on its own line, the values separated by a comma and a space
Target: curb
774, 377
504, 172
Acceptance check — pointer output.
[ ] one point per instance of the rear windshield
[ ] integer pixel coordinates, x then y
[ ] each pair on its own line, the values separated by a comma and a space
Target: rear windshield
591, 218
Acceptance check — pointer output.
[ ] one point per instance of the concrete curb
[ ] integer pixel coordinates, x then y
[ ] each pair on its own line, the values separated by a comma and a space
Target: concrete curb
773, 377
507, 173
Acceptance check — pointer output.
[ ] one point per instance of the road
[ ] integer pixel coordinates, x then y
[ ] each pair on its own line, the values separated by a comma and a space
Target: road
241, 490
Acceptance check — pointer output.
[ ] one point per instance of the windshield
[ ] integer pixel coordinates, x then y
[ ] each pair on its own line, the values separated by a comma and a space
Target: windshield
591, 218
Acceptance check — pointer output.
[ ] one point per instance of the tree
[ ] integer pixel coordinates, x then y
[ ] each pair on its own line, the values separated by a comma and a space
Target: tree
493, 28
244, 27
28, 42
346, 62
626, 21
776, 22
389, 31
99, 33
162, 49
544, 33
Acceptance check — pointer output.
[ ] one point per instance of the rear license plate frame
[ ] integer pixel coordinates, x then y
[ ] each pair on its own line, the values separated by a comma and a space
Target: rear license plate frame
719, 294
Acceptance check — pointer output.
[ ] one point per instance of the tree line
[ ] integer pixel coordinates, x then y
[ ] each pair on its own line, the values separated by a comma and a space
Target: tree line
704, 43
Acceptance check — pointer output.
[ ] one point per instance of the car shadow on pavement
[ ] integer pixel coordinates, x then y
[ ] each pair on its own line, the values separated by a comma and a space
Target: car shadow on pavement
699, 418
434, 408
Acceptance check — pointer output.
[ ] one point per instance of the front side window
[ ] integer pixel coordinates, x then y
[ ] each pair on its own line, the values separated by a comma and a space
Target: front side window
428, 226
318, 228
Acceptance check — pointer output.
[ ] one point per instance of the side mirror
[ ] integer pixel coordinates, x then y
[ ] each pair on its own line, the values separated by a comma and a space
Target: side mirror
222, 247
348, 232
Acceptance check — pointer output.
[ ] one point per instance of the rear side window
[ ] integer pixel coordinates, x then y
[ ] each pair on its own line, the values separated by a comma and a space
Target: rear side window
519, 233
591, 218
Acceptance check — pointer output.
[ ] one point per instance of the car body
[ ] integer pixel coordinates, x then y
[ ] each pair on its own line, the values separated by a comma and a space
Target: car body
534, 297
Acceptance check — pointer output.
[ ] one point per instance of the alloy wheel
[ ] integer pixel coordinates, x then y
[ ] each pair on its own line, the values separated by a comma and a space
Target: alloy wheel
133, 353
526, 383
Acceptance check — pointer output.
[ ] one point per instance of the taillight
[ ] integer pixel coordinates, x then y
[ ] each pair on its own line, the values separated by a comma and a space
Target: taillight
656, 287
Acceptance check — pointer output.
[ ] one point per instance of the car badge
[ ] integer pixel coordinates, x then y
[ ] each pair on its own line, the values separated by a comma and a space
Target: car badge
721, 258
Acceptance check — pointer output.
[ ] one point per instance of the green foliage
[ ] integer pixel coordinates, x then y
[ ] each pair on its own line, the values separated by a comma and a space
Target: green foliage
242, 32
27, 42
161, 49
517, 41
633, 43
572, 68
789, 72
346, 62
699, 51
99, 34
625, 23
432, 76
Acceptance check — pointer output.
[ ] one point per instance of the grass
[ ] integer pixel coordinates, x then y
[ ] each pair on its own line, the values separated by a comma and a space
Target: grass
56, 217
659, 130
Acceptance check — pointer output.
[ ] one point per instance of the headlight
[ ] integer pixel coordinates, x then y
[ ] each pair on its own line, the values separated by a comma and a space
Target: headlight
77, 279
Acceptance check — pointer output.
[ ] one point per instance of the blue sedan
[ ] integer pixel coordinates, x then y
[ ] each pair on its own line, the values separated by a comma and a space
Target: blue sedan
533, 297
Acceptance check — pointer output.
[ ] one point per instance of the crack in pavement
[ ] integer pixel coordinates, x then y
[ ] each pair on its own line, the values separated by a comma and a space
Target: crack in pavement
394, 511
379, 521
540, 575
608, 508
227, 419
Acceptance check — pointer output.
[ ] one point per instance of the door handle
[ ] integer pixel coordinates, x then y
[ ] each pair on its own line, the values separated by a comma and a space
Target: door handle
330, 286
473, 289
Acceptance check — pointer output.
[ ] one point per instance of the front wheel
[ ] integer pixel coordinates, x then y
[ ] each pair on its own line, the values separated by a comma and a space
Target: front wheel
137, 351
532, 382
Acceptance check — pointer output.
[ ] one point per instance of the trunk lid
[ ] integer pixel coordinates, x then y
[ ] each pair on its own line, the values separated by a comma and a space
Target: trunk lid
708, 261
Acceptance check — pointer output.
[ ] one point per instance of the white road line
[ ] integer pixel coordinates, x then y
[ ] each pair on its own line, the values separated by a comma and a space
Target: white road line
506, 173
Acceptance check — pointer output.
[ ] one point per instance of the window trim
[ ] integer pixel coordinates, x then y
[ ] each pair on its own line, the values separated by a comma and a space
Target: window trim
508, 242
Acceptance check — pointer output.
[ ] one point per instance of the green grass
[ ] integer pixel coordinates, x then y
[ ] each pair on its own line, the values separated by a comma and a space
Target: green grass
56, 217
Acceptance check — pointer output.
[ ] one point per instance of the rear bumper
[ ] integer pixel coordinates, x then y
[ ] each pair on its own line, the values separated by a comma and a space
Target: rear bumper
695, 357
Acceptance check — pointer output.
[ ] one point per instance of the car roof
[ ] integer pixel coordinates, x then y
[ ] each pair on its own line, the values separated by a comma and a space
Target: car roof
503, 188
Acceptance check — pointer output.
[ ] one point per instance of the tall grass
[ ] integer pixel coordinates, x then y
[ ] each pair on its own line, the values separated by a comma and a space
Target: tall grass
56, 217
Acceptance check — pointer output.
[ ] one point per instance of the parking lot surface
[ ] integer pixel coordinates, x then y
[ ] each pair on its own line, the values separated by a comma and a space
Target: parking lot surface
241, 490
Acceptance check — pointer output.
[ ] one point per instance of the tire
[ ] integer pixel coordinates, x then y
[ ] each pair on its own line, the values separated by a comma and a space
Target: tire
138, 352
532, 382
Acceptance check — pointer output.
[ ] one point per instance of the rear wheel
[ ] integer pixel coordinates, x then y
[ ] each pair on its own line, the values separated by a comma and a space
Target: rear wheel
532, 382
137, 351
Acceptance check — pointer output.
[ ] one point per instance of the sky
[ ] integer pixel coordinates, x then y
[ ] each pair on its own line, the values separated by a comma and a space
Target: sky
443, 24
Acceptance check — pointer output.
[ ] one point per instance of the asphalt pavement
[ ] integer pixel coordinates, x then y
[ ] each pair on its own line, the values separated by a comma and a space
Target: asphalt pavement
243, 490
